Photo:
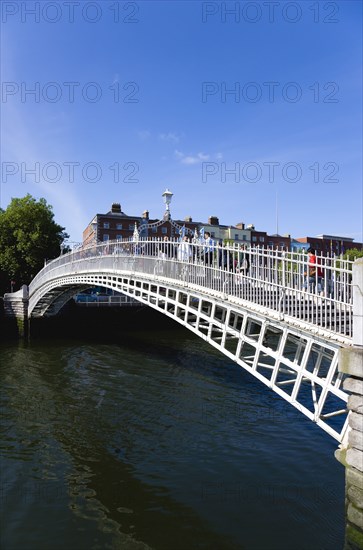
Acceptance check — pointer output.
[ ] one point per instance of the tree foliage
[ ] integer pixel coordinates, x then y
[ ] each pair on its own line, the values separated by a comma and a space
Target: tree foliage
353, 254
28, 235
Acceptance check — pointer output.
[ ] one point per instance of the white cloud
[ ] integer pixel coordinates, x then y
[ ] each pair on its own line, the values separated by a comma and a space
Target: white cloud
190, 159
171, 137
200, 157
178, 154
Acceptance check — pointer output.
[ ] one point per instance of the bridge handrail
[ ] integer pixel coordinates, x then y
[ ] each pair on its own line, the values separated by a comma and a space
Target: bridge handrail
247, 272
265, 263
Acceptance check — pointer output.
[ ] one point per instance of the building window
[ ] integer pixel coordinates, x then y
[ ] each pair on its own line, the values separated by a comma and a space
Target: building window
262, 239
244, 237
254, 239
119, 226
270, 243
131, 227
154, 229
106, 225
106, 237
236, 236
213, 234
118, 237
164, 230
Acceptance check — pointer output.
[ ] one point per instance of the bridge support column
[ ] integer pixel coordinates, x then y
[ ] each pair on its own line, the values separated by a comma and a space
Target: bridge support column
16, 306
351, 363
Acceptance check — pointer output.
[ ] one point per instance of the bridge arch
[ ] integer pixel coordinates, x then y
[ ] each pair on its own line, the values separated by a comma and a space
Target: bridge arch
299, 365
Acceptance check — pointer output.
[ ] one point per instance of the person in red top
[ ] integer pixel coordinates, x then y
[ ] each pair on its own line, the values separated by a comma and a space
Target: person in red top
315, 273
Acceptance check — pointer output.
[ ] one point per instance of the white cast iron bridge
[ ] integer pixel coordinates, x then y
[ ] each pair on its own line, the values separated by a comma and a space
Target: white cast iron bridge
257, 306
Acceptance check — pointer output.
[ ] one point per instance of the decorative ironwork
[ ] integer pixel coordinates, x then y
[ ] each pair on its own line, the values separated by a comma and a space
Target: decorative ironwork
151, 225
180, 227
144, 226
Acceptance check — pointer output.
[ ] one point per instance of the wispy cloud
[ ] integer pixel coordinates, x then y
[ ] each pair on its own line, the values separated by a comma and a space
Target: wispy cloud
171, 137
190, 159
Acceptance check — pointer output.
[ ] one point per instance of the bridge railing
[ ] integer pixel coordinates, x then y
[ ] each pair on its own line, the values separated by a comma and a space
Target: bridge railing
279, 280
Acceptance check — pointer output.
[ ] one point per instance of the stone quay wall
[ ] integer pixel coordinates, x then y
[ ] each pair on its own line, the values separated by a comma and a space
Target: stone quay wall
16, 307
351, 363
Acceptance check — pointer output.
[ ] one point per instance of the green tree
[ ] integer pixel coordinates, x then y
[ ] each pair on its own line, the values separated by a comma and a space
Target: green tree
353, 254
28, 235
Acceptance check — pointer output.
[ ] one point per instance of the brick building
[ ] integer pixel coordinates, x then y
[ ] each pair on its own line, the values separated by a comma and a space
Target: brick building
330, 244
115, 224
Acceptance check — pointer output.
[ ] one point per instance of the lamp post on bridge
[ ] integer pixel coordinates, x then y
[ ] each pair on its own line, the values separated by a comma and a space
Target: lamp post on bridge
143, 227
167, 196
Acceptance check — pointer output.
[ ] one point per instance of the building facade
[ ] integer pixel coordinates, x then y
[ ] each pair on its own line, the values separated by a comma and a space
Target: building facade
329, 244
116, 225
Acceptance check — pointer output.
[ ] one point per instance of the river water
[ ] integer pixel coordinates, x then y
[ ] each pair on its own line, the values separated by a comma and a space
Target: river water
152, 439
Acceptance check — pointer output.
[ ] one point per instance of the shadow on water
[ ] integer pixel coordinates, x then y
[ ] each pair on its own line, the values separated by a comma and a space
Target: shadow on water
107, 324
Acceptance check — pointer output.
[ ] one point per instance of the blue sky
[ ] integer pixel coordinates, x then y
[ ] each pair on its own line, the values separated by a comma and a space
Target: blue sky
146, 89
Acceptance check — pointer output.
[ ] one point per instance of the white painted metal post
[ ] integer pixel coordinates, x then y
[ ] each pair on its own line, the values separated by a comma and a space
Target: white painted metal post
358, 303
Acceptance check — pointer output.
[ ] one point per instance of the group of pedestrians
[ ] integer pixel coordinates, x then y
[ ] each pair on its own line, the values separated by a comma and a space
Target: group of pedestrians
185, 251
205, 251
236, 261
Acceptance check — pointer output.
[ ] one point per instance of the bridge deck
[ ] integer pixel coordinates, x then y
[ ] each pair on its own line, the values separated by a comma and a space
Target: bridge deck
275, 280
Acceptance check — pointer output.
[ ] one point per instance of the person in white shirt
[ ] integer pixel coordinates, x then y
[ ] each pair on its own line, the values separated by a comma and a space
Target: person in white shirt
184, 253
209, 246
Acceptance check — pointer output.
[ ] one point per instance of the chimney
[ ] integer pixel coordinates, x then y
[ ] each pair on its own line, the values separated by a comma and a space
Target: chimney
240, 225
188, 219
213, 220
116, 208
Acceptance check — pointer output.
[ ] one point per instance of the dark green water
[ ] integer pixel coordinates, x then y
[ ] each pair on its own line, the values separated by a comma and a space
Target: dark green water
151, 439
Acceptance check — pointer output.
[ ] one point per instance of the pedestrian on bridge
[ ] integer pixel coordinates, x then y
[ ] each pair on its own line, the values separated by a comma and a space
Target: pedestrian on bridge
225, 259
314, 273
184, 252
209, 247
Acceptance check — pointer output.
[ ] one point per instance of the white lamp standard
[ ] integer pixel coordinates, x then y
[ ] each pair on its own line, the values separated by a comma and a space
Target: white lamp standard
167, 196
